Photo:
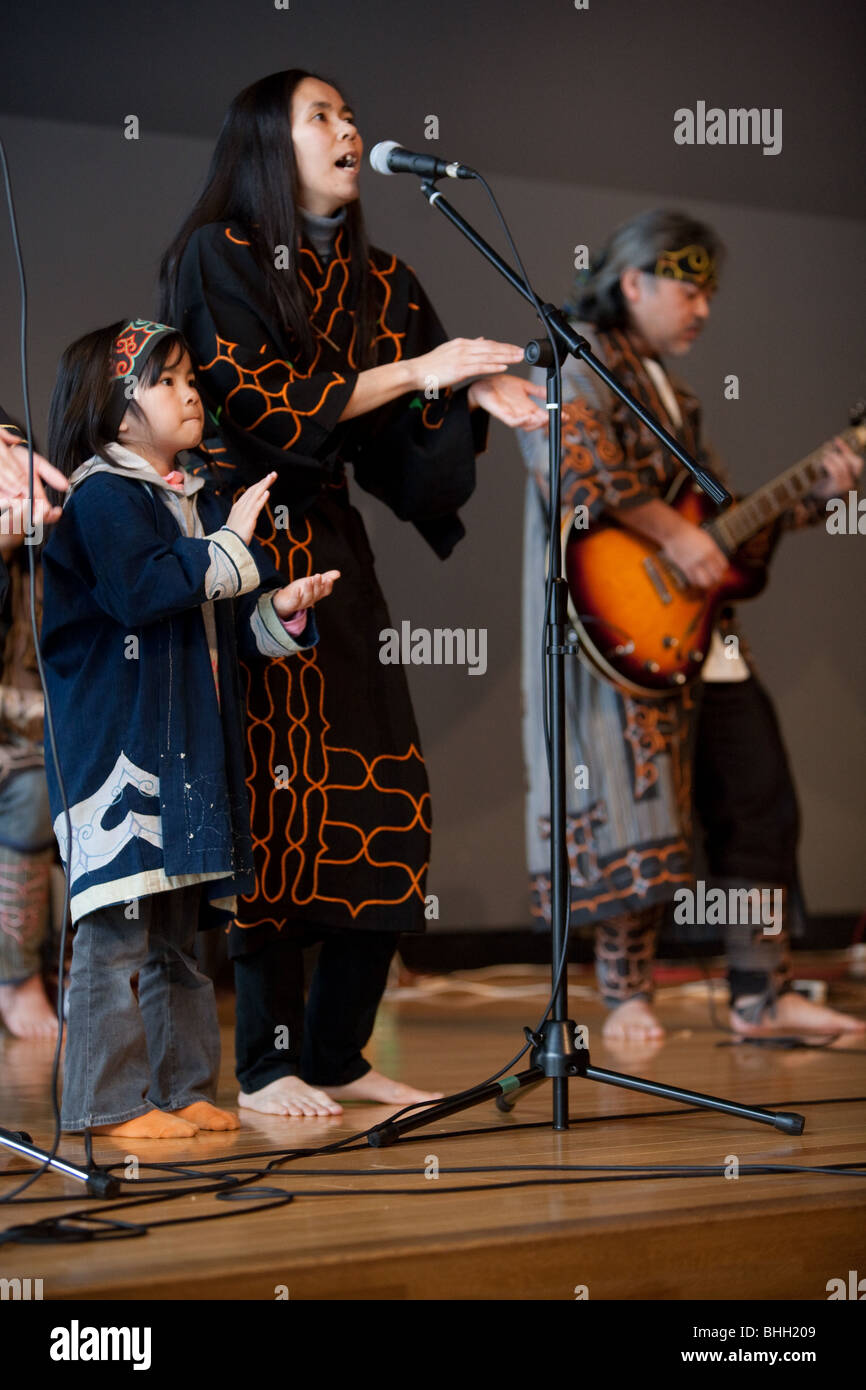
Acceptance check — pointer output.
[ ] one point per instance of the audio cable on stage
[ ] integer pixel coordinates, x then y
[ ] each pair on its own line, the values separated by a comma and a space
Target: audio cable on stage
49, 717
236, 1183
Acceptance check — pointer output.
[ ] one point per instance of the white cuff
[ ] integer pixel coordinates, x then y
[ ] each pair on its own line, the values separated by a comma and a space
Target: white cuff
232, 569
270, 636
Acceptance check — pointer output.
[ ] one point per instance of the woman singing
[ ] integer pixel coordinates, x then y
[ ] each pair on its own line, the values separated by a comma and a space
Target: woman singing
314, 350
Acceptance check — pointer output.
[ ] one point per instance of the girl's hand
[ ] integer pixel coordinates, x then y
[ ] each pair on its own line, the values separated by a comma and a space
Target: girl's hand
461, 359
512, 400
245, 513
303, 593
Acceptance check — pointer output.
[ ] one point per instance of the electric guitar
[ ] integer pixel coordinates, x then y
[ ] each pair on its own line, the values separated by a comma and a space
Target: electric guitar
641, 625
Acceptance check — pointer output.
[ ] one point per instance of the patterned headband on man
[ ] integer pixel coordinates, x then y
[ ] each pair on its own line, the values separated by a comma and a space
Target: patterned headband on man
693, 263
132, 347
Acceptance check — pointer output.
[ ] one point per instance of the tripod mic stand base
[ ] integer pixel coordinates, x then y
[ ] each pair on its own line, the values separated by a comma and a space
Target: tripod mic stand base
553, 1047
96, 1180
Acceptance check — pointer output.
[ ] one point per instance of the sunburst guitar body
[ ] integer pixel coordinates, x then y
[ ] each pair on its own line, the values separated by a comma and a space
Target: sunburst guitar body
641, 626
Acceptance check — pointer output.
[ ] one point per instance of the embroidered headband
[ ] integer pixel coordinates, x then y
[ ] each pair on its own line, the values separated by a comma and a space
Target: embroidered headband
693, 263
132, 347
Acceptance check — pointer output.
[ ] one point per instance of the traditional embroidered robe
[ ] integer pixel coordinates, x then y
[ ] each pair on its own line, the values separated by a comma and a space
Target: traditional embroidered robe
628, 760
344, 839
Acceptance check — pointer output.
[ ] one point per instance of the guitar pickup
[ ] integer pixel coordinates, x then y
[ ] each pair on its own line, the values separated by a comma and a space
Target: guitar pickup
679, 579
657, 579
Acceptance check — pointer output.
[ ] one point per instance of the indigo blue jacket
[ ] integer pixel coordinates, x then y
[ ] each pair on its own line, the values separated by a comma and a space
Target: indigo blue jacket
151, 757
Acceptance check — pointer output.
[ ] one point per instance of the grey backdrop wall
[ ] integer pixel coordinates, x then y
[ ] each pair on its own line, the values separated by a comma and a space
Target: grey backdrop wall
95, 211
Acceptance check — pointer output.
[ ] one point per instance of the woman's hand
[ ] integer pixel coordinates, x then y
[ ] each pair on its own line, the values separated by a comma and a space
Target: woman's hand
245, 513
303, 593
461, 359
512, 400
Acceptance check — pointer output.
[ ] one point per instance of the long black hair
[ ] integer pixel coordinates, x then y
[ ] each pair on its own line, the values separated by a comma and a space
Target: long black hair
79, 416
597, 296
253, 180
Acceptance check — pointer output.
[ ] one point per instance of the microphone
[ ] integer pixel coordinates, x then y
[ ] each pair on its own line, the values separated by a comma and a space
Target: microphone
390, 158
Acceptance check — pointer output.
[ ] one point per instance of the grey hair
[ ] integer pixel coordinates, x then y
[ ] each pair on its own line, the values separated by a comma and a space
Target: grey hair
597, 296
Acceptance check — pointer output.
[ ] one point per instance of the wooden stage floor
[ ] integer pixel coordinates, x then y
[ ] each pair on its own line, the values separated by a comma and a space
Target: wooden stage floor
763, 1237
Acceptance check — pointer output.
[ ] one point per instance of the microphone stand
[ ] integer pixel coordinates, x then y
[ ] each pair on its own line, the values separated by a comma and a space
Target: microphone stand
98, 1181
556, 1053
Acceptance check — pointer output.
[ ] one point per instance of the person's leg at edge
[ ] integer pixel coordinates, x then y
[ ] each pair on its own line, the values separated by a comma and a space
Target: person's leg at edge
27, 850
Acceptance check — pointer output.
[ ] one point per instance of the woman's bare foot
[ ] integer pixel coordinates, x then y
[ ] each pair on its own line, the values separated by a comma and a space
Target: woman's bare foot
632, 1021
376, 1087
206, 1116
795, 1013
154, 1124
26, 1011
289, 1095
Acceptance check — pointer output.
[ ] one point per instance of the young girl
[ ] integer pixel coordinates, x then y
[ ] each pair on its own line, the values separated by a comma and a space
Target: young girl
143, 619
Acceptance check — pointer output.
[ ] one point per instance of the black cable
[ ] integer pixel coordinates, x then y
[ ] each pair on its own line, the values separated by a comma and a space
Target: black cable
59, 1230
49, 718
228, 1185
349, 1145
183, 1170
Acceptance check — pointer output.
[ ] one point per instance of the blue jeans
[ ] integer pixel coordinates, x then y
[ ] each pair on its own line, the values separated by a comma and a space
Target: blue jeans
125, 1056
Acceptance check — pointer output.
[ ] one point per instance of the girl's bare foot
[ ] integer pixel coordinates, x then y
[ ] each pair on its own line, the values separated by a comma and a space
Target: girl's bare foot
376, 1087
793, 1012
289, 1095
632, 1021
154, 1124
26, 1011
206, 1116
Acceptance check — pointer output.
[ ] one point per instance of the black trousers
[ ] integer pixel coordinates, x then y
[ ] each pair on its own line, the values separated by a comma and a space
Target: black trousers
744, 793
275, 1035
746, 805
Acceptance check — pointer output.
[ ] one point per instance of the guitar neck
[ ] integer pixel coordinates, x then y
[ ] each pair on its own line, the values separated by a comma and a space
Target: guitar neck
746, 518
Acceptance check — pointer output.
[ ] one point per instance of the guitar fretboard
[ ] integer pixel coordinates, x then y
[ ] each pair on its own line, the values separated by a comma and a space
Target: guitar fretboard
746, 518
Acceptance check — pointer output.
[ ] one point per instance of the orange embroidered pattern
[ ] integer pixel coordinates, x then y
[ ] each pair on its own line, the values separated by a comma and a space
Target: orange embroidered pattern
259, 394
331, 825
304, 830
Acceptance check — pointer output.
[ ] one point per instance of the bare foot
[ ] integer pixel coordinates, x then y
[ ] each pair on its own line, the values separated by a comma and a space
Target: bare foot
632, 1021
289, 1095
376, 1087
26, 1011
793, 1012
206, 1116
154, 1124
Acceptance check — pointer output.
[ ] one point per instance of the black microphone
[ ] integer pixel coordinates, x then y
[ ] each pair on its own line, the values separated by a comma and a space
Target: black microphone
390, 158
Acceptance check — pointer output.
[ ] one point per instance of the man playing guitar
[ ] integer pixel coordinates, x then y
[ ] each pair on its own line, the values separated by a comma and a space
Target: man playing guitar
644, 760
